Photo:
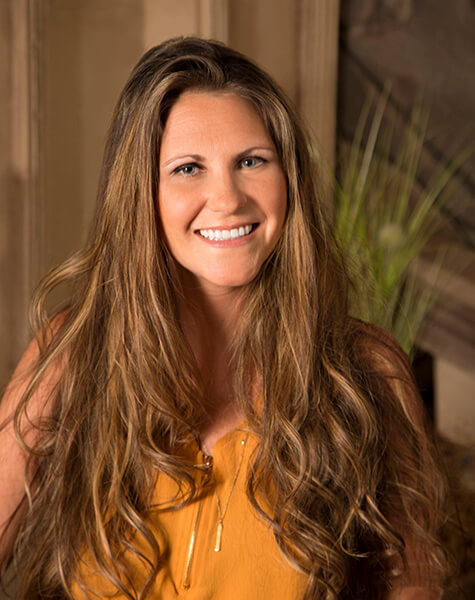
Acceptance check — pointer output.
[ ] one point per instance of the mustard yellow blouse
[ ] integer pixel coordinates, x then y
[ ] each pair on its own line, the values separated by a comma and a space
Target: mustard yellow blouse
249, 563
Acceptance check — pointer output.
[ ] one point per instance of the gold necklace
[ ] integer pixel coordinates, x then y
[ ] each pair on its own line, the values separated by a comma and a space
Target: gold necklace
208, 467
222, 514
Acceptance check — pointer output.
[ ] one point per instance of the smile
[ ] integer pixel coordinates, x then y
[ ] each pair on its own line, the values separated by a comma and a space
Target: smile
227, 234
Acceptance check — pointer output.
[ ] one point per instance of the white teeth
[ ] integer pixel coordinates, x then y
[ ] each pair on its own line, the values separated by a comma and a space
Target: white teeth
226, 234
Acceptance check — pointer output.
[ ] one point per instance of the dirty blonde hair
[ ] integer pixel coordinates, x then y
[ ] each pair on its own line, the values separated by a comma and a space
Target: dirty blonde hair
344, 460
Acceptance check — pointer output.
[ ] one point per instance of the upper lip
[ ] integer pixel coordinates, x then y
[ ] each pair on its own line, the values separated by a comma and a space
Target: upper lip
227, 227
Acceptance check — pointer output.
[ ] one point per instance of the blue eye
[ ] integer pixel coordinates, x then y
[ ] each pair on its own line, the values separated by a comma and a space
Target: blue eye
251, 161
188, 170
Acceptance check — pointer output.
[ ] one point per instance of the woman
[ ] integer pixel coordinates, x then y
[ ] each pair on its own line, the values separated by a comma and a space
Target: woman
204, 419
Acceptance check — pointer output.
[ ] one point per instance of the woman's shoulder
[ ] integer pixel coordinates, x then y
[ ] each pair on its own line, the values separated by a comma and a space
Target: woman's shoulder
379, 349
372, 338
386, 366
26, 402
27, 370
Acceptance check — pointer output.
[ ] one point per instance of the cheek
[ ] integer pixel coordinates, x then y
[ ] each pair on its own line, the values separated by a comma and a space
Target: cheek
175, 212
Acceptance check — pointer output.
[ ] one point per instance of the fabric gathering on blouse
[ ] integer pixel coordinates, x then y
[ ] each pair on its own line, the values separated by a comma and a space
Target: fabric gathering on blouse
249, 560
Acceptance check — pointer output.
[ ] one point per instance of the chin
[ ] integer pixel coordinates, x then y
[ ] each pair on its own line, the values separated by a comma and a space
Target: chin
227, 280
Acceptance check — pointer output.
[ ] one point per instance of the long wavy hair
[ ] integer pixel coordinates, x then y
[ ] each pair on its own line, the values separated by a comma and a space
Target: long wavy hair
344, 461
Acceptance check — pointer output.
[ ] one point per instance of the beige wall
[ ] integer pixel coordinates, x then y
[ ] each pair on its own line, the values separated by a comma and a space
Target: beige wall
268, 32
61, 137
8, 206
88, 49
17, 222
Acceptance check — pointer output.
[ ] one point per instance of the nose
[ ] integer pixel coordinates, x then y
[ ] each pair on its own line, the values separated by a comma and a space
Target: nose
224, 194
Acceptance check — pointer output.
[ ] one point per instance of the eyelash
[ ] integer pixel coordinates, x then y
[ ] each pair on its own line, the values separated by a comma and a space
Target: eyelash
180, 170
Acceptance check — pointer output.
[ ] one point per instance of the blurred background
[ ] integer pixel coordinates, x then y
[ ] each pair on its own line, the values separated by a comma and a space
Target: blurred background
64, 63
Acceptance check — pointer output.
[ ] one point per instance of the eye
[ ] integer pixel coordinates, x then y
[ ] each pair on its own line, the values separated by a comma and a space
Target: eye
251, 161
188, 170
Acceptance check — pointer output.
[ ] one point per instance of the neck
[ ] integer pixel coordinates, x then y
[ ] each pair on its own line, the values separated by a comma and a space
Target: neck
209, 317
212, 313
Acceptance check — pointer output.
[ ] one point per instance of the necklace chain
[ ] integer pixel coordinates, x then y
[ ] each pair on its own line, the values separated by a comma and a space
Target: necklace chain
222, 513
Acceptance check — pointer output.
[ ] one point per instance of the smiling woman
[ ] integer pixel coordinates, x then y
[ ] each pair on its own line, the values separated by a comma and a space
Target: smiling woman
203, 418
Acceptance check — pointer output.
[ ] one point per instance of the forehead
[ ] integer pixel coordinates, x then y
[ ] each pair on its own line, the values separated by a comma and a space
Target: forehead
207, 117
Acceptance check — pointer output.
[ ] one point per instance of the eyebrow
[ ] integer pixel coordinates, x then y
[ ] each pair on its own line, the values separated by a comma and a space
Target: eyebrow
200, 158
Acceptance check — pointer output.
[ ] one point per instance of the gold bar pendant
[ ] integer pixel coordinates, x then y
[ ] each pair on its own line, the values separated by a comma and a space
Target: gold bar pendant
219, 534
186, 582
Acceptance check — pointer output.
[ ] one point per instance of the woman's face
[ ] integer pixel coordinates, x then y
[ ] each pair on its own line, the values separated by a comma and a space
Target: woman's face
222, 194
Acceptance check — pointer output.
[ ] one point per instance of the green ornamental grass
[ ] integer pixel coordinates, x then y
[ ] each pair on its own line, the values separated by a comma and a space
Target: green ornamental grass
385, 218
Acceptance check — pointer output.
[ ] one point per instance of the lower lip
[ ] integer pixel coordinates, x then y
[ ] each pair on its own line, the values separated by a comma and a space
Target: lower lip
229, 243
